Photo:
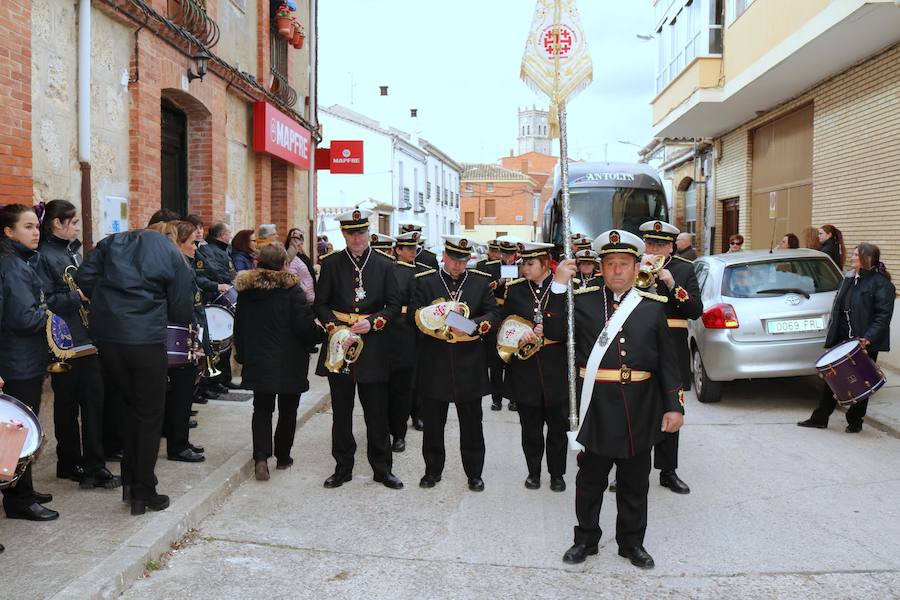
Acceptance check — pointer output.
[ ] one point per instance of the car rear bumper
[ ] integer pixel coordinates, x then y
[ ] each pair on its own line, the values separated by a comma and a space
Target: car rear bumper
726, 360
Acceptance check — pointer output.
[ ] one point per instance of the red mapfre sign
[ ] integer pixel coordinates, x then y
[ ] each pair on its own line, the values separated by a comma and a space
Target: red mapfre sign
276, 134
347, 157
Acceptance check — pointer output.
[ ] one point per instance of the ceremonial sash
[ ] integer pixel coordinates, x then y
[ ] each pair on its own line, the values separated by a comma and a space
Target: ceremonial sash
604, 341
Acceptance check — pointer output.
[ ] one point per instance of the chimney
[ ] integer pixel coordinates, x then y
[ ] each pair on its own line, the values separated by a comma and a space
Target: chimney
384, 90
511, 153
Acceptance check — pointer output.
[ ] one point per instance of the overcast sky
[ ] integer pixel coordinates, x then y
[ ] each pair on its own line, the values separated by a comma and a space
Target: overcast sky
458, 63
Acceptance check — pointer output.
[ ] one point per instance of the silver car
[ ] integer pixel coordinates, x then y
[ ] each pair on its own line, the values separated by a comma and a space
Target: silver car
765, 315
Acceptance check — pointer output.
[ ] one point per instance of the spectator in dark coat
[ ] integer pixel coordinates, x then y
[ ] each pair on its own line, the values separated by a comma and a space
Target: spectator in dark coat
243, 250
273, 330
832, 244
684, 246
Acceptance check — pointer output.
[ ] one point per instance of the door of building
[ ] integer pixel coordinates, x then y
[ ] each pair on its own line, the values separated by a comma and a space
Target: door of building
173, 168
730, 220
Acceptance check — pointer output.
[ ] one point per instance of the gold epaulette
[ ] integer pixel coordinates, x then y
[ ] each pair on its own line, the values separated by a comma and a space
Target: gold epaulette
515, 281
327, 255
406, 264
492, 262
428, 272
576, 280
585, 290
383, 253
419, 264
687, 260
482, 273
656, 297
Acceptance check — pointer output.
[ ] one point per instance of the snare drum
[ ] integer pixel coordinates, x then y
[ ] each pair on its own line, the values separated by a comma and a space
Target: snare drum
13, 411
220, 321
228, 299
180, 345
850, 373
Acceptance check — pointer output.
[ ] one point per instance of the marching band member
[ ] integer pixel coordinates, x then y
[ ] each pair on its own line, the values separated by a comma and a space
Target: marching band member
137, 283
406, 250
79, 449
538, 384
214, 263
357, 289
508, 246
588, 269
634, 395
677, 282
273, 329
423, 255
24, 354
455, 370
493, 256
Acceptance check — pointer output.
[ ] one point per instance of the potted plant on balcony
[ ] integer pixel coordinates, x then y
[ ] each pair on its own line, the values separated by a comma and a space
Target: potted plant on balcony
283, 22
298, 37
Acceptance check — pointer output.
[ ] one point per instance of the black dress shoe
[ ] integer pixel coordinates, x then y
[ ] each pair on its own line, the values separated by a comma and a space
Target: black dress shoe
476, 484
577, 553
34, 512
813, 424
73, 474
100, 478
557, 484
2, 548
613, 486
429, 481
638, 557
418, 424
281, 465
399, 445
232, 386
389, 480
496, 405
513, 406
338, 478
218, 388
192, 424
187, 455
42, 498
197, 449
671, 480
533, 482
157, 502
853, 428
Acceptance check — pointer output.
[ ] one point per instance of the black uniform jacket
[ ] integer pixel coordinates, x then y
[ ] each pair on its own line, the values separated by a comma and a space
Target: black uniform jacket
273, 329
199, 316
56, 255
623, 419
138, 283
24, 353
684, 303
402, 333
542, 379
871, 303
214, 265
455, 372
335, 292
427, 257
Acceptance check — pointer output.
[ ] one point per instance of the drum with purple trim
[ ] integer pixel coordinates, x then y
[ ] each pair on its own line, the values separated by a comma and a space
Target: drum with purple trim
228, 299
16, 414
181, 343
850, 373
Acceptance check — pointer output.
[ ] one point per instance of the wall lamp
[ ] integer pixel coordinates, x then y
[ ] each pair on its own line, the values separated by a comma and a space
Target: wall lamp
202, 60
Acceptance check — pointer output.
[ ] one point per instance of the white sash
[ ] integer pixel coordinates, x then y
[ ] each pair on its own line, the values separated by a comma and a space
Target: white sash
604, 341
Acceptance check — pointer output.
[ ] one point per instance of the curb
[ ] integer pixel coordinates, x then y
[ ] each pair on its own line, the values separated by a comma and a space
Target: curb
115, 574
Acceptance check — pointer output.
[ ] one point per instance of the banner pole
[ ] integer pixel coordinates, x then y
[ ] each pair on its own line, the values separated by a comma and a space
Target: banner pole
567, 253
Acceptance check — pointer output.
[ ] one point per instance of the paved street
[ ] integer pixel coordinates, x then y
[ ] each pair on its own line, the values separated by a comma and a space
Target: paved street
776, 511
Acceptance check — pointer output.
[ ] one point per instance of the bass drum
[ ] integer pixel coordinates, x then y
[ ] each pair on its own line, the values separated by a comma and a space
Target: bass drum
14, 412
220, 321
850, 373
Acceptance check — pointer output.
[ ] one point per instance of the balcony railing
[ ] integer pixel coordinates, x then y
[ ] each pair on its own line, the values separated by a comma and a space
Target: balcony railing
278, 49
191, 15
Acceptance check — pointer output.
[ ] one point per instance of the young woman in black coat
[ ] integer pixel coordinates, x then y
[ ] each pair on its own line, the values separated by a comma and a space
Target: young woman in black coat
79, 447
862, 309
831, 242
24, 354
273, 330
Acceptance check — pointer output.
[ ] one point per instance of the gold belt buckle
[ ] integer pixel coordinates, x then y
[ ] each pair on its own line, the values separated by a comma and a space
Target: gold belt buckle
624, 374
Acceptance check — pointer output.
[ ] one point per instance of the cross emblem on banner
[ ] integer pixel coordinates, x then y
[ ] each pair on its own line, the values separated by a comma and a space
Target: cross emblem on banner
558, 40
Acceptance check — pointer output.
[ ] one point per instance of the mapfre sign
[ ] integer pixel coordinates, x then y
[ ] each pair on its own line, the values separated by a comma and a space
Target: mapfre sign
347, 157
276, 134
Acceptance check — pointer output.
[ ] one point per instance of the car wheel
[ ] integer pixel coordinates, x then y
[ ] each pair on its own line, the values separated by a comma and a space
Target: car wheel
706, 389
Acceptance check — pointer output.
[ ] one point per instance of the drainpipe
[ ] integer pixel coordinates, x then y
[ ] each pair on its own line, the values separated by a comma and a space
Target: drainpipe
84, 120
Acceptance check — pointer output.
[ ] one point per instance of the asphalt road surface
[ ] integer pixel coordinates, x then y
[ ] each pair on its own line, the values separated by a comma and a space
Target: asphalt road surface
776, 511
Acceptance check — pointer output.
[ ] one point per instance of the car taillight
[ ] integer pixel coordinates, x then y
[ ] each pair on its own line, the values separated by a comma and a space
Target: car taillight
720, 316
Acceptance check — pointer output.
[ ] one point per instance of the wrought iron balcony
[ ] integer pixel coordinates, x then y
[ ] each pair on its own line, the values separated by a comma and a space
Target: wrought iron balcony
192, 16
278, 49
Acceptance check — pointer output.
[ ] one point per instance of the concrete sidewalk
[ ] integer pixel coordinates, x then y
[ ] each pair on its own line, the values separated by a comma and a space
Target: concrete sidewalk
883, 412
96, 549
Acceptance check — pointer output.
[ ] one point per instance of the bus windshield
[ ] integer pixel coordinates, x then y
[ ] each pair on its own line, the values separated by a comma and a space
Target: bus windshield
594, 210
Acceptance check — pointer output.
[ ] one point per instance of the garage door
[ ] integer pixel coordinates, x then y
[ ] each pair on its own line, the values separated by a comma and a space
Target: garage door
782, 177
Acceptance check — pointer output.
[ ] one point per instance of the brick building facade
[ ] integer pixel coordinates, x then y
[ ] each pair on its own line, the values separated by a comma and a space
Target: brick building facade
497, 201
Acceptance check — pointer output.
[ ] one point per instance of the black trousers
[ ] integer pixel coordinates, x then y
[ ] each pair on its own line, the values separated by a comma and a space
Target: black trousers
263, 407
112, 414
179, 397
28, 392
827, 404
374, 400
139, 370
496, 368
400, 401
224, 365
632, 479
532, 419
665, 453
471, 436
79, 391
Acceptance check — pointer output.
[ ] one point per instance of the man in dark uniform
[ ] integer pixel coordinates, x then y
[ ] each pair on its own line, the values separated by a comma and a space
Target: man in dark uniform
635, 396
423, 255
677, 282
509, 247
588, 269
492, 258
213, 263
454, 370
357, 289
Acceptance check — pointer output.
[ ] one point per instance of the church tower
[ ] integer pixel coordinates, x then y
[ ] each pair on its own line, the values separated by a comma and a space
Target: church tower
534, 131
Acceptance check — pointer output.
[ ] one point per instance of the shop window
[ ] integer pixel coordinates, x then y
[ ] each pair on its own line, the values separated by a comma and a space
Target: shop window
490, 207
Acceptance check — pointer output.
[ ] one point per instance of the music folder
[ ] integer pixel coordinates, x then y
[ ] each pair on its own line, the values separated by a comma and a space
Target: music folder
457, 321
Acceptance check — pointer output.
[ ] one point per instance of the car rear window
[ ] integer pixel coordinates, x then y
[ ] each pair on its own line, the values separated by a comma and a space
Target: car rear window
778, 277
